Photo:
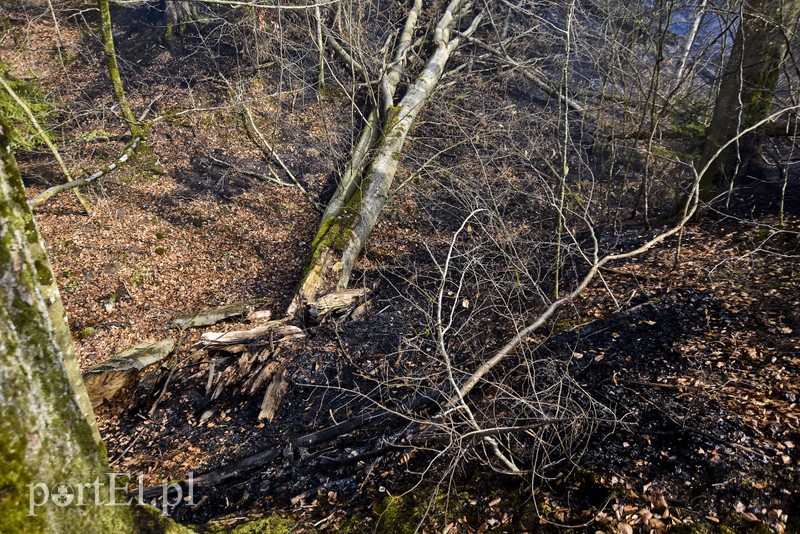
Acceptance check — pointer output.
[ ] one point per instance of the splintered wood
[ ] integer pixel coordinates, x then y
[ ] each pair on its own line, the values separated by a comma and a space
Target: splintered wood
259, 363
254, 358
336, 303
273, 397
273, 330
104, 382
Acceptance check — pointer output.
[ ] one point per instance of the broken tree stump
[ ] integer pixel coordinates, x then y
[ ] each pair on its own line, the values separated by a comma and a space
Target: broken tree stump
338, 302
104, 382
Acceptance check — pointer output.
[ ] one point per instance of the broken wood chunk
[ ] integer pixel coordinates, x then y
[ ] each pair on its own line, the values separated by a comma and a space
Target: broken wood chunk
275, 330
259, 315
105, 381
360, 311
210, 379
337, 302
273, 397
217, 314
256, 380
233, 349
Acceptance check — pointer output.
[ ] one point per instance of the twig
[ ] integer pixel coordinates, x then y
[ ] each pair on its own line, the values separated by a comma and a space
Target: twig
274, 155
250, 124
525, 71
246, 172
169, 377
346, 57
129, 447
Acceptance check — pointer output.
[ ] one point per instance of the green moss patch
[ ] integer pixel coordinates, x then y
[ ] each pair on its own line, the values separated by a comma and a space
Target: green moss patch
23, 134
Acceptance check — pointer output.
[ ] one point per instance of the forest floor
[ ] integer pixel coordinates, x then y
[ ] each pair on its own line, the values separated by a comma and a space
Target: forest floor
699, 360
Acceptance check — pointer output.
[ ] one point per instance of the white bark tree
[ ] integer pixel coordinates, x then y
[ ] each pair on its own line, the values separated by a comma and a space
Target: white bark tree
353, 212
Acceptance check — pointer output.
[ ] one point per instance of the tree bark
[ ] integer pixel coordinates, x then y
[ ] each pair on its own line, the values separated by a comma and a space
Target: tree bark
113, 68
748, 87
354, 209
48, 436
45, 417
177, 13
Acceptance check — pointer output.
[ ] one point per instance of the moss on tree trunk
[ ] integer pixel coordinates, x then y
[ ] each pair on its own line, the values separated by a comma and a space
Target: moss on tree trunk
113, 68
47, 432
177, 14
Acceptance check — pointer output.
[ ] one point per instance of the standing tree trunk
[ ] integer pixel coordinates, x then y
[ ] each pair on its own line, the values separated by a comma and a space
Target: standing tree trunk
354, 209
748, 87
177, 13
48, 437
113, 68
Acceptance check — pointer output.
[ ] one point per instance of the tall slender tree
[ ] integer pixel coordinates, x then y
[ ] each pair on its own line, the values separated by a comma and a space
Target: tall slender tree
113, 68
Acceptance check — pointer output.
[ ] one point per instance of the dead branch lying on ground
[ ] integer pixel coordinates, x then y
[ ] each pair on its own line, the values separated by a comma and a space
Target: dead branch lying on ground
47, 194
127, 152
274, 178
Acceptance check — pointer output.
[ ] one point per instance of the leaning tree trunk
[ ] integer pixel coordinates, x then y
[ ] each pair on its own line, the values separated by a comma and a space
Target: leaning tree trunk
748, 87
688, 41
350, 179
354, 209
48, 437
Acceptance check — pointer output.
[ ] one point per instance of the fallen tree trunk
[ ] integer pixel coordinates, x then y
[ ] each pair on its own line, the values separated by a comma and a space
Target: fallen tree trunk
371, 134
355, 207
